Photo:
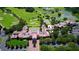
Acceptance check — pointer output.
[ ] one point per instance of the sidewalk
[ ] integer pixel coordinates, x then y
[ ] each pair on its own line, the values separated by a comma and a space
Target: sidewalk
31, 48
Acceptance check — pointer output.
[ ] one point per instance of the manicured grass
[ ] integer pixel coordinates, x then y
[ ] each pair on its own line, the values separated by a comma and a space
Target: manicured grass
23, 14
7, 20
34, 23
29, 17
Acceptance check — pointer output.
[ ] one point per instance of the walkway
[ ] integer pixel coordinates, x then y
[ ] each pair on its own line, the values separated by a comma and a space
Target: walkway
31, 48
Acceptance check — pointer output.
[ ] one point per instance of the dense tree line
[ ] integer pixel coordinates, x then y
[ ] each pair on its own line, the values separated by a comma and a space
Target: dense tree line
74, 10
2, 8
68, 41
71, 46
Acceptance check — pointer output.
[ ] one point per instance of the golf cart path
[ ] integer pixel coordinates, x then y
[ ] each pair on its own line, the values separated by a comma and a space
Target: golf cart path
31, 48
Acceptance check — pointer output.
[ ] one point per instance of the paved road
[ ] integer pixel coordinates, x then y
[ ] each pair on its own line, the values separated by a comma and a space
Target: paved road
2, 45
31, 48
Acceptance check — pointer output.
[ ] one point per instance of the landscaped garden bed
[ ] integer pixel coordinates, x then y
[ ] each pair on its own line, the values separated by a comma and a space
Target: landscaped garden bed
14, 43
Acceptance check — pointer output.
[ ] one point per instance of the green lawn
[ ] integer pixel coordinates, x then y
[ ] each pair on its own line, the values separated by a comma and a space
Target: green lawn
29, 17
7, 20
34, 23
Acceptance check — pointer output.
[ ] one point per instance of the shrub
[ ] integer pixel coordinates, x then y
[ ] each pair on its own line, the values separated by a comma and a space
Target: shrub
17, 43
66, 38
59, 14
64, 30
60, 48
55, 33
65, 19
30, 9
72, 47
47, 48
45, 40
62, 40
